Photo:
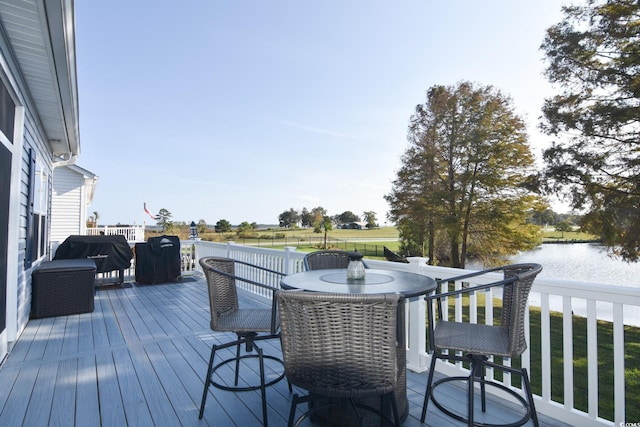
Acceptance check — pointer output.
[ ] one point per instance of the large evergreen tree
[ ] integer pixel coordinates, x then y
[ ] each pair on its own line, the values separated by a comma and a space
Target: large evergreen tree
593, 56
163, 219
289, 218
347, 217
306, 218
370, 218
462, 184
222, 226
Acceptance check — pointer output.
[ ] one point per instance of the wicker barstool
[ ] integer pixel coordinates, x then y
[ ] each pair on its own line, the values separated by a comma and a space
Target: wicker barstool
475, 343
323, 260
341, 348
249, 325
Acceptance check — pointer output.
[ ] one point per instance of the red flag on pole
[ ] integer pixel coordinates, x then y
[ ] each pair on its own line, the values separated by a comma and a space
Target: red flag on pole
147, 211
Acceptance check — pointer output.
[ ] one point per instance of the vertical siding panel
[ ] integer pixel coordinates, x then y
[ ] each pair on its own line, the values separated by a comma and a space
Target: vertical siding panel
66, 205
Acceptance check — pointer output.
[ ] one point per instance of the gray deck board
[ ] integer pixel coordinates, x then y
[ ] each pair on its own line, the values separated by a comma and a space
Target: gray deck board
43, 392
63, 406
111, 405
85, 336
38, 345
87, 401
133, 399
70, 343
16, 405
139, 359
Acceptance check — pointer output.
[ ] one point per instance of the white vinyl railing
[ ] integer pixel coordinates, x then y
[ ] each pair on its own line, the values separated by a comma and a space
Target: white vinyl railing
133, 233
549, 298
592, 302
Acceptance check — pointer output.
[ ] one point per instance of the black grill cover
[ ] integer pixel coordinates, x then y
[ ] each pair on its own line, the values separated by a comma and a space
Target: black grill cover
158, 260
109, 252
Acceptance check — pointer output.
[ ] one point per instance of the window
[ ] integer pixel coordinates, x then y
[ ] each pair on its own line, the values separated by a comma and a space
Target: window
37, 233
7, 112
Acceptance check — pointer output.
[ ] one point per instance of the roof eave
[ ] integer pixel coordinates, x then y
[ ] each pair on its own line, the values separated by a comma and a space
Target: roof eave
60, 21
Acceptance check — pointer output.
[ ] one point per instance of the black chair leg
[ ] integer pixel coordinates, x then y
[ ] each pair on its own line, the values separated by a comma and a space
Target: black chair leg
356, 412
394, 409
237, 362
292, 410
470, 399
263, 389
427, 393
478, 371
532, 407
387, 402
207, 381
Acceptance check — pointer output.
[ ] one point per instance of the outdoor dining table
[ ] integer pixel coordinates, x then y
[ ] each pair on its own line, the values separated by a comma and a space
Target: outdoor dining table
408, 285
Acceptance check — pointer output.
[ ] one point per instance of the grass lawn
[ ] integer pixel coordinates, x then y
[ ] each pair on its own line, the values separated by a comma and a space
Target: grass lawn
568, 236
369, 242
370, 249
306, 240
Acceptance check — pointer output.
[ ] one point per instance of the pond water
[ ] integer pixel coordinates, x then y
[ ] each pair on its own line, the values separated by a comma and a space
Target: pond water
583, 262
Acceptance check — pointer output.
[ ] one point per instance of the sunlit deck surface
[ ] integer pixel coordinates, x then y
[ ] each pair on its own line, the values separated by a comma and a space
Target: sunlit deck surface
139, 360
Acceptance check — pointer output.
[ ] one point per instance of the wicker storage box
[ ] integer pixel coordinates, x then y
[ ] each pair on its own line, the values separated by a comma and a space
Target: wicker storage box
63, 287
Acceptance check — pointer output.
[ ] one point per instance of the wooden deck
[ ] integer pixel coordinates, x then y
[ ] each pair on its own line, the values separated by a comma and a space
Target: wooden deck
139, 360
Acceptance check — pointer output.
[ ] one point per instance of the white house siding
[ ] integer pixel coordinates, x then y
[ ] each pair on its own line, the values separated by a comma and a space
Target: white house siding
66, 205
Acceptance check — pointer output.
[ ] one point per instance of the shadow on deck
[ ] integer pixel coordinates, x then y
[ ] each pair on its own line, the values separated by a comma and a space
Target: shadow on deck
139, 360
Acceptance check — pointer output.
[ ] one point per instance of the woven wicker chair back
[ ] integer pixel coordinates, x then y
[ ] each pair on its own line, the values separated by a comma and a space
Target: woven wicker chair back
223, 297
514, 303
322, 260
340, 345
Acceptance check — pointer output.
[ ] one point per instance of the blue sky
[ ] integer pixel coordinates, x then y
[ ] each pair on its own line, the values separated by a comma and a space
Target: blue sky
240, 110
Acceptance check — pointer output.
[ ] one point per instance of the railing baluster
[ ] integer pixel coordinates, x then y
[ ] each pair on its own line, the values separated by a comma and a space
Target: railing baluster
545, 346
567, 351
618, 363
592, 358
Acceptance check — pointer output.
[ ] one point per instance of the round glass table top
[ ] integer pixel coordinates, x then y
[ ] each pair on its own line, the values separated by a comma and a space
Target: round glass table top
375, 281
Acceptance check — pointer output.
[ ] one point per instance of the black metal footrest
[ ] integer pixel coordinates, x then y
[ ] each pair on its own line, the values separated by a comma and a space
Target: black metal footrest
525, 418
245, 388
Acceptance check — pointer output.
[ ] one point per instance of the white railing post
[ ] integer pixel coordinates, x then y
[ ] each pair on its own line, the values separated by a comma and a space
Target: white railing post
289, 267
229, 244
139, 235
415, 324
